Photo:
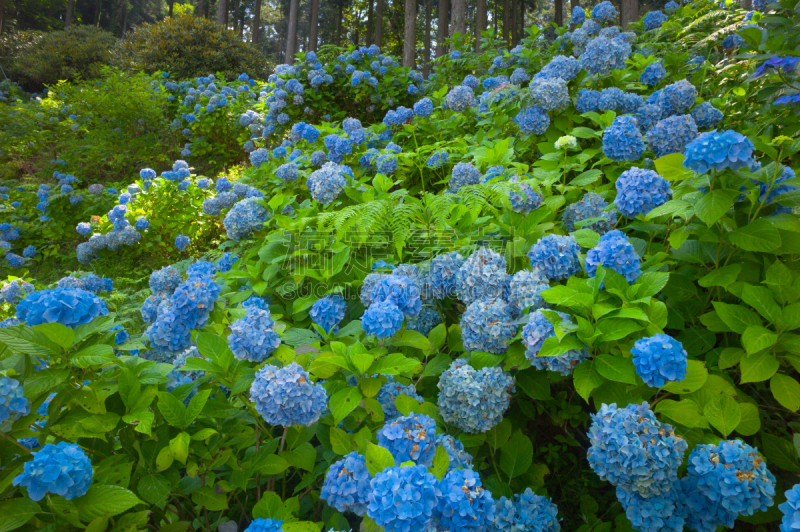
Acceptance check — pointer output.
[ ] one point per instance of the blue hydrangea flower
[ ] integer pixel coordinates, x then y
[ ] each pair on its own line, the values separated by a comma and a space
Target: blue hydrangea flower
67, 306
437, 159
532, 120
400, 291
591, 205
718, 151
471, 81
257, 158
365, 294
264, 525
465, 174
524, 291
455, 451
602, 55
122, 335
622, 140
464, 504
588, 100
165, 280
604, 12
674, 99
732, 475
62, 469
404, 499
328, 311
706, 116
657, 513
578, 16
660, 359
482, 276
529, 512
326, 183
640, 191
226, 262
671, 6
390, 391
699, 512
653, 20
556, 256
13, 292
89, 282
614, 251
460, 98
524, 199
245, 218
734, 40
535, 332
622, 437
13, 403
427, 319
347, 484
423, 108
182, 242
562, 67
653, 74
286, 396
768, 193
486, 326
442, 275
551, 94
410, 438
791, 510
382, 319
474, 401
252, 337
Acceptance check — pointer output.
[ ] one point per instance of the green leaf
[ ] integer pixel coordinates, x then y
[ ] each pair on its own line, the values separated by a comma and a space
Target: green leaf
196, 406
378, 459
58, 333
516, 455
406, 404
696, 376
437, 366
651, 283
271, 464
586, 379
394, 364
209, 499
172, 409
215, 348
685, 412
409, 338
534, 383
723, 413
758, 367
94, 355
499, 434
586, 238
272, 507
780, 452
756, 338
760, 298
750, 423
671, 168
340, 441
786, 391
154, 488
179, 446
723, 277
17, 512
759, 235
343, 402
616, 368
302, 457
441, 462
105, 501
737, 317
714, 204
438, 336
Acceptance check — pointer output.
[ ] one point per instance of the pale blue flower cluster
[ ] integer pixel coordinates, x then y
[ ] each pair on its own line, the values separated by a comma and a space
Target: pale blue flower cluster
13, 403
603, 55
674, 99
246, 217
562, 67
556, 256
286, 396
631, 449
640, 191
13, 292
61, 469
591, 205
660, 359
87, 281
390, 391
653, 74
657, 513
464, 505
653, 20
347, 484
400, 291
474, 401
423, 108
524, 199
326, 183
382, 319
460, 98
551, 94
706, 116
525, 291
717, 151
442, 275
526, 512
455, 451
437, 159
427, 319
532, 120
622, 140
604, 12
578, 16
252, 337
328, 311
165, 280
614, 251
410, 438
182, 242
464, 174
404, 499
536, 331
482, 276
791, 510
67, 306
486, 326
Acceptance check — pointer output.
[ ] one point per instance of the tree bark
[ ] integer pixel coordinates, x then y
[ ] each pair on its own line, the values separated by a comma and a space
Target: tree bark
377, 35
171, 3
206, 8
480, 22
313, 26
291, 32
370, 24
339, 23
559, 14
68, 16
255, 30
97, 8
521, 19
2, 11
515, 22
222, 11
573, 4
494, 16
629, 12
410, 34
241, 15
442, 16
427, 52
124, 21
458, 18
506, 21
235, 16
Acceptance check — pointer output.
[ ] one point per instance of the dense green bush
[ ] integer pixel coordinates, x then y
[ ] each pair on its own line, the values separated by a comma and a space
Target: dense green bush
188, 46
41, 59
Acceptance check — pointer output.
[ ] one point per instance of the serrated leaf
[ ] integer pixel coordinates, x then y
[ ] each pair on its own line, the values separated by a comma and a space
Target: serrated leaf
696, 377
378, 459
780, 452
343, 402
209, 499
340, 441
586, 379
17, 512
105, 501
516, 455
441, 462
714, 204
786, 391
750, 423
394, 364
616, 368
154, 488
172, 409
758, 367
723, 413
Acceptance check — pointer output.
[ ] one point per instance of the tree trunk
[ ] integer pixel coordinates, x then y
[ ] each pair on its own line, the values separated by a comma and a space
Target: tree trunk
629, 12
521, 19
506, 22
377, 36
171, 3
2, 10
480, 23
255, 30
370, 24
68, 16
442, 17
206, 8
339, 24
573, 4
746, 4
427, 52
124, 21
235, 16
291, 32
559, 14
410, 36
313, 26
494, 17
97, 8
458, 18
515, 37
222, 11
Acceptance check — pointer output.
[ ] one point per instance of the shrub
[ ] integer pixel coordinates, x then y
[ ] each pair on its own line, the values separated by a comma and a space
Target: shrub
188, 46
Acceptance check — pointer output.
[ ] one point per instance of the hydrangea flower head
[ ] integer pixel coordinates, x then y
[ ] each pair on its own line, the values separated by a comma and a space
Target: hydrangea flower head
464, 174
536, 331
706, 116
326, 183
657, 513
441, 278
486, 326
182, 242
591, 205
328, 311
460, 98
347, 484
455, 451
653, 20
603, 55
264, 525
399, 290
640, 191
390, 391
165, 280
404, 499
660, 359
13, 403
286, 396
567, 142
524, 291
464, 505
675, 99
423, 108
67, 306
62, 469
524, 199
621, 437
382, 319
532, 120
556, 256
653, 74
410, 438
527, 512
252, 337
718, 151
482, 276
604, 12
622, 140
791, 510
13, 292
578, 16
551, 94
246, 217
474, 401
614, 251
